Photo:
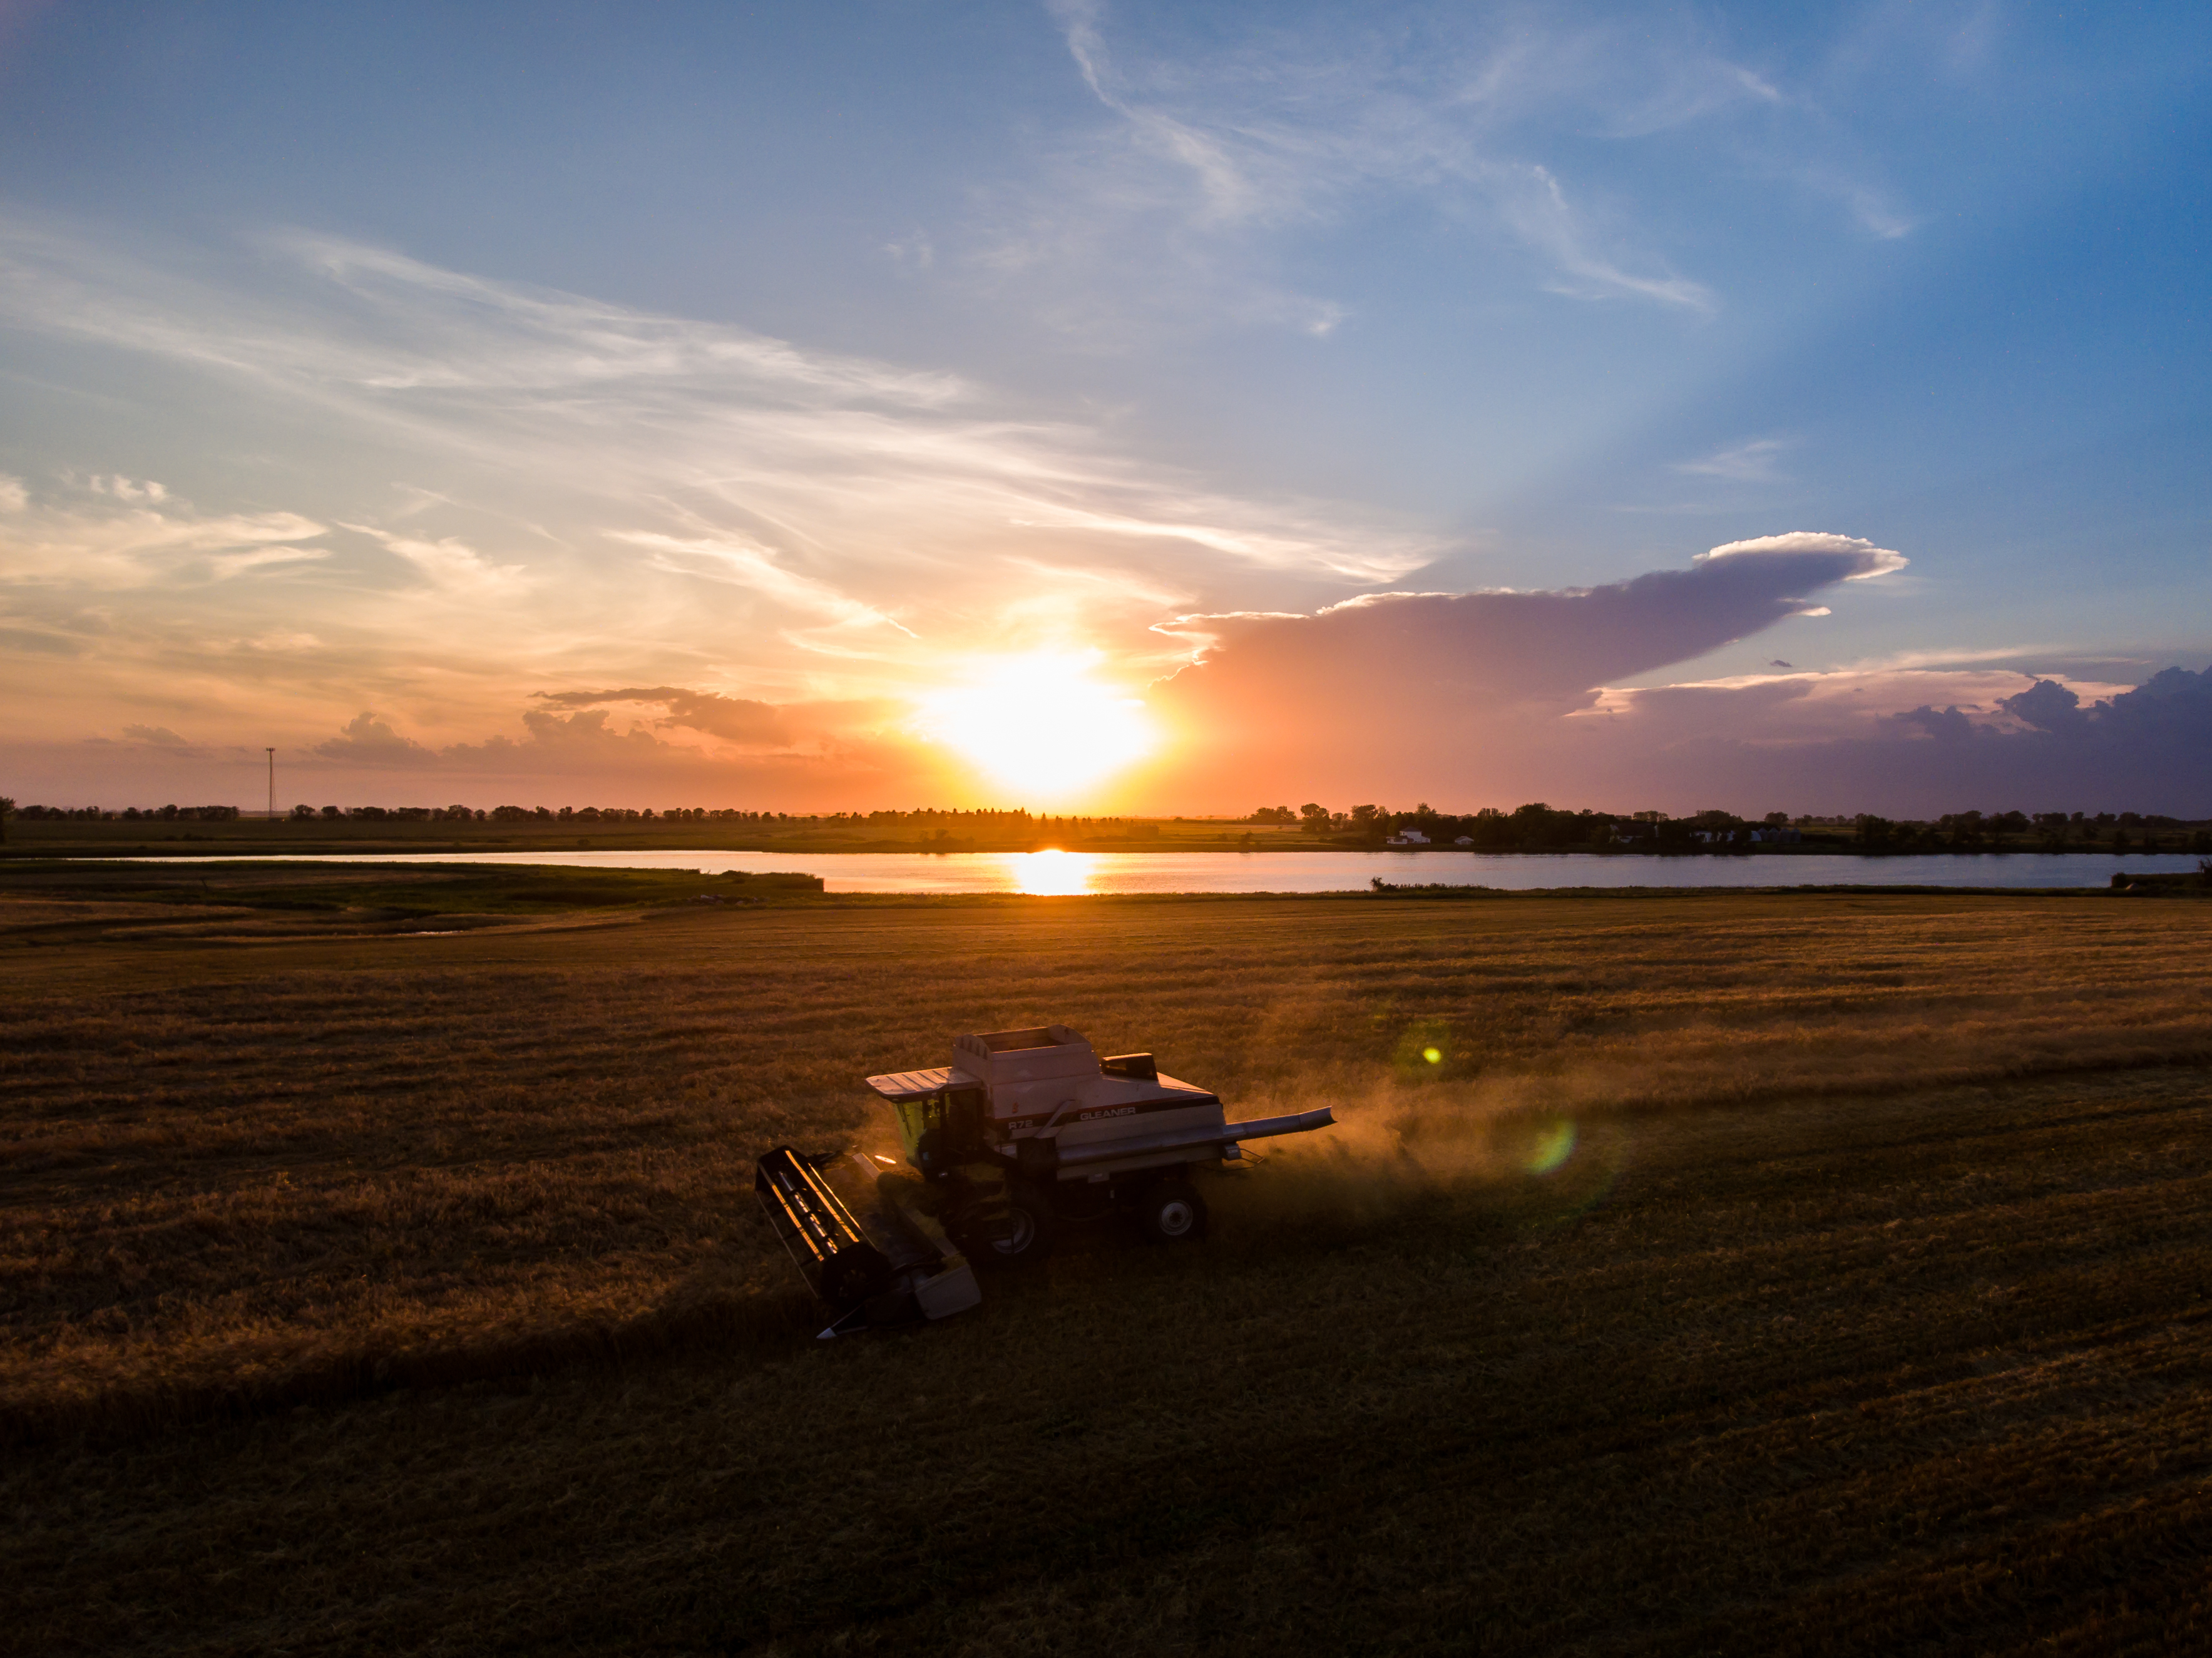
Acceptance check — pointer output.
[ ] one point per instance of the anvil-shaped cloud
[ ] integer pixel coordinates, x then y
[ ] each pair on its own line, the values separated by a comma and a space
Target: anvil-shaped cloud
1353, 664
1397, 687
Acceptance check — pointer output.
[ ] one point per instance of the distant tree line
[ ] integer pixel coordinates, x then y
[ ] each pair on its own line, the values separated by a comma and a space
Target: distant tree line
1535, 827
1540, 828
945, 822
2042, 831
530, 814
132, 814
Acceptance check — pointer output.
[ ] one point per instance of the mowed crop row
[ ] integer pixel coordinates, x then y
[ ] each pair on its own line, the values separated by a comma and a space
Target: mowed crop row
1794, 1382
289, 1171
410, 1296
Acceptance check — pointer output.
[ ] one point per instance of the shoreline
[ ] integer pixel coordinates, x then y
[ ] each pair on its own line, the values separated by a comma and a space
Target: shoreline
384, 895
202, 846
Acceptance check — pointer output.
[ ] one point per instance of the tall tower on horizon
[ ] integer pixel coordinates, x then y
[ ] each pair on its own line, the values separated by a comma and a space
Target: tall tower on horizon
272, 782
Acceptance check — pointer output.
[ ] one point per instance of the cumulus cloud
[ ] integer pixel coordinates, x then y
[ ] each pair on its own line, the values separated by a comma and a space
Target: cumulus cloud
1908, 742
370, 743
1903, 742
1948, 724
733, 719
2169, 712
2047, 706
1796, 708
823, 755
571, 742
583, 738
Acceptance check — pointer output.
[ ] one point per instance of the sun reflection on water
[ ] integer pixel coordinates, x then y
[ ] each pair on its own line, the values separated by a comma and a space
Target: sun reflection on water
1052, 874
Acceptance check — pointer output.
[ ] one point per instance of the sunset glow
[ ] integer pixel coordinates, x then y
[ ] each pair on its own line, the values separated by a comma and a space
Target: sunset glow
1206, 411
1040, 725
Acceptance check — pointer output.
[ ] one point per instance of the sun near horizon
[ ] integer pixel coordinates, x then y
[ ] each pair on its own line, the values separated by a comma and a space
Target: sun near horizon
1040, 724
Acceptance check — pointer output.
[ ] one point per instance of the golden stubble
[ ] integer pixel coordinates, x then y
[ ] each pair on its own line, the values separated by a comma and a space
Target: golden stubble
245, 1175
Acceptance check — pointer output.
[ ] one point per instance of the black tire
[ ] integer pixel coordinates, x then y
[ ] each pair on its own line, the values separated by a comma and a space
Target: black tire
1018, 1235
1171, 1212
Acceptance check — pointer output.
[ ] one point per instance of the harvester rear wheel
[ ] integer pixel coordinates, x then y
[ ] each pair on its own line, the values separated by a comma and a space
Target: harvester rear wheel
1171, 1212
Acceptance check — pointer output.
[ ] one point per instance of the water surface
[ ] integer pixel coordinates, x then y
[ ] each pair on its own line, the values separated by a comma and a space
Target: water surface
1068, 872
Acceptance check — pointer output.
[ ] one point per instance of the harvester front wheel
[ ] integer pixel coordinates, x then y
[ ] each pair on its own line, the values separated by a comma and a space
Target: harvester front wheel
1171, 1212
1019, 1233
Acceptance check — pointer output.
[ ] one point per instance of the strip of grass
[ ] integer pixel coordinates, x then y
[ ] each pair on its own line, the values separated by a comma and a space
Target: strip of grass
418, 889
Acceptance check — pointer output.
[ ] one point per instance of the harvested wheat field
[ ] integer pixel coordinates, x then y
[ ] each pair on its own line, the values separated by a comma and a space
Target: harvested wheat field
1759, 1274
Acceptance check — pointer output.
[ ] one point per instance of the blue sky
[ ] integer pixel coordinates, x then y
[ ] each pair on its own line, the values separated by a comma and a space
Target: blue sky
389, 383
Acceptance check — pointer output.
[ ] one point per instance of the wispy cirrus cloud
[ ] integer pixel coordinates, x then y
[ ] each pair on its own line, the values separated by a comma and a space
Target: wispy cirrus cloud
1229, 150
448, 563
376, 320
577, 489
744, 563
1225, 146
608, 414
113, 532
1757, 460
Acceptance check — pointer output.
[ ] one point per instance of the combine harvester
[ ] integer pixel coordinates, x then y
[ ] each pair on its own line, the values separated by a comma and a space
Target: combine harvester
1024, 1132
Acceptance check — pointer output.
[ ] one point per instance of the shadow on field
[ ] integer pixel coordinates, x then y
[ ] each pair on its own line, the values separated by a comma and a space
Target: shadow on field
1466, 1166
707, 1315
1390, 1174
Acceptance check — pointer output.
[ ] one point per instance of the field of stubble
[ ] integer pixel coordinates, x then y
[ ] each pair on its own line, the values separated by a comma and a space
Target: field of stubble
1749, 1273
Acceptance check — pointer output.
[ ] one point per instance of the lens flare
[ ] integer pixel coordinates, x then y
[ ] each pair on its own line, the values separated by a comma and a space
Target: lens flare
1425, 1052
1039, 723
1552, 1144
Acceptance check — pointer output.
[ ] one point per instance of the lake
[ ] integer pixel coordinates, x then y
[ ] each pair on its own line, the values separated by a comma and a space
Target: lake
1057, 873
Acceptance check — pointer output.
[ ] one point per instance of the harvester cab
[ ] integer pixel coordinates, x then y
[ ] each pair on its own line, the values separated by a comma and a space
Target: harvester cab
1025, 1132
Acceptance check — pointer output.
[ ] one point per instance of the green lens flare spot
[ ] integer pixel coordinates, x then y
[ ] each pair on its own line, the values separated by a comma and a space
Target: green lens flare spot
1552, 1146
1433, 1056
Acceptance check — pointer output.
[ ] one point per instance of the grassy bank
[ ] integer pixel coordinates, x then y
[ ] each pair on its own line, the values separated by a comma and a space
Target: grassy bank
250, 899
405, 1293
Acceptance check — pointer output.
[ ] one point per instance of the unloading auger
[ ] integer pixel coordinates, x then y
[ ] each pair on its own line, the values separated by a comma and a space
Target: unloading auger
1025, 1132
